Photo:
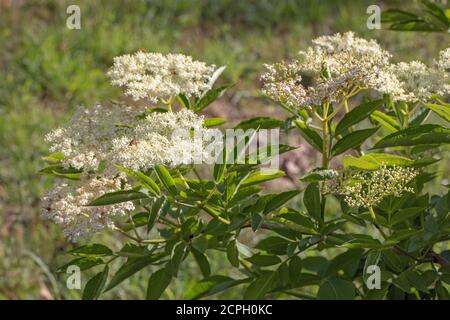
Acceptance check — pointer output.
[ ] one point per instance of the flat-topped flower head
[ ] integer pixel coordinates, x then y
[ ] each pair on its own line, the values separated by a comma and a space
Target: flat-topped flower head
419, 82
283, 83
368, 188
336, 66
86, 141
444, 60
344, 53
114, 135
66, 205
169, 138
155, 77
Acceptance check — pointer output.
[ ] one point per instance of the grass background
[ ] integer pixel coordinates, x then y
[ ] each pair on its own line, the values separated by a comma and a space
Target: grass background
47, 69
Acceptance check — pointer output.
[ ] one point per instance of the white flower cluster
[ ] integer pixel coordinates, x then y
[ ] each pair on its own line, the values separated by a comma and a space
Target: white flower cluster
155, 76
338, 66
343, 53
283, 83
367, 188
118, 135
386, 82
101, 137
418, 82
170, 138
444, 60
66, 205
86, 141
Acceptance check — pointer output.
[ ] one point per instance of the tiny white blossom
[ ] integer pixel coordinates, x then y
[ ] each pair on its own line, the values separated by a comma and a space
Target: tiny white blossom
87, 139
66, 205
419, 82
351, 63
283, 82
343, 53
368, 188
155, 76
444, 60
385, 81
168, 138
115, 135
99, 138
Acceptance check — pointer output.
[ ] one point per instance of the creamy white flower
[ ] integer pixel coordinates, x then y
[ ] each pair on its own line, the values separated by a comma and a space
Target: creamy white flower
419, 82
444, 60
155, 76
385, 81
343, 53
368, 188
169, 138
115, 135
66, 205
350, 63
86, 141
87, 138
283, 83
101, 137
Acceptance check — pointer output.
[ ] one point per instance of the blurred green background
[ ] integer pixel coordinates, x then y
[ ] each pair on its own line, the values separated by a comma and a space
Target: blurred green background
47, 69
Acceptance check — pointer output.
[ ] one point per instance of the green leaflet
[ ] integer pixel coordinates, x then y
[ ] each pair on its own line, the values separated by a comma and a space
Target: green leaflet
117, 197
158, 283
260, 123
95, 285
373, 161
312, 137
442, 110
336, 289
352, 140
166, 179
357, 114
419, 135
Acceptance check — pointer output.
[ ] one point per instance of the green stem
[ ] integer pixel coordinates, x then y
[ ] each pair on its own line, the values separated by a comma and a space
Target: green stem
336, 110
134, 227
154, 241
169, 222
169, 103
346, 108
246, 267
196, 173
127, 235
372, 214
375, 223
299, 295
410, 112
111, 260
325, 159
